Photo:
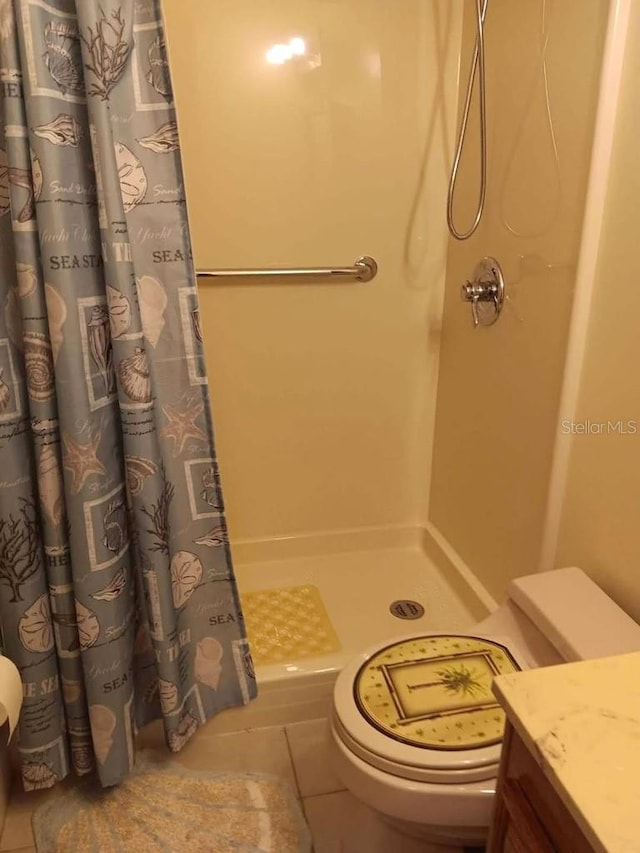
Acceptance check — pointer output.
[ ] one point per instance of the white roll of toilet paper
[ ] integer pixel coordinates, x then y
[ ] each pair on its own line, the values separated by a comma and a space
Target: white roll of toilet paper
10, 692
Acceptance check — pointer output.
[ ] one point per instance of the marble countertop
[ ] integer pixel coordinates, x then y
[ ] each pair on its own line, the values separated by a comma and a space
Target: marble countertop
581, 722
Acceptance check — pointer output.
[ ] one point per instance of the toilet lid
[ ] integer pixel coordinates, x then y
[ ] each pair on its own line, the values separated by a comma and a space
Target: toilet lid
422, 707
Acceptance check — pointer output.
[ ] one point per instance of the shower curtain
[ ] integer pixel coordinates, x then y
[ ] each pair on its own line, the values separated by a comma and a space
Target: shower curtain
117, 596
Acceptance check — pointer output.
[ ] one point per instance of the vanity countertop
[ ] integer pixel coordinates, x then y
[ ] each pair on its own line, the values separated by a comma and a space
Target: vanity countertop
581, 722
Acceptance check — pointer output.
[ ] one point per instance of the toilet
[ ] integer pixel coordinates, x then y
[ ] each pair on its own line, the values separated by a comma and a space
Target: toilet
416, 732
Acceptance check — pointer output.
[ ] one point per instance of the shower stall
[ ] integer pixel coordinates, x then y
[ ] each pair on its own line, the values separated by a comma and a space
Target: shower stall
376, 448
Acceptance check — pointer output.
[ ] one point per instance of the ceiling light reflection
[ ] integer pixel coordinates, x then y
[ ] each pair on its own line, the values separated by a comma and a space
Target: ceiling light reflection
278, 54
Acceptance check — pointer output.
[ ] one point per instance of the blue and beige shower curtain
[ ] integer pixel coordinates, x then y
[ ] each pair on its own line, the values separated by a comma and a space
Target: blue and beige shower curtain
117, 596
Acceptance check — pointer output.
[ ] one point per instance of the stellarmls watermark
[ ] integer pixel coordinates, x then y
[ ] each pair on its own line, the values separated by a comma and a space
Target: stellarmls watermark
587, 427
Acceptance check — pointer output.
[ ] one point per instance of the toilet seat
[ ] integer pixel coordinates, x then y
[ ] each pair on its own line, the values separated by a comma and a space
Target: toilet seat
421, 707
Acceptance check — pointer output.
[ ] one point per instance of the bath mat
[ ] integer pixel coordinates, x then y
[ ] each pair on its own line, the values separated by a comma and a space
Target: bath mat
288, 623
163, 808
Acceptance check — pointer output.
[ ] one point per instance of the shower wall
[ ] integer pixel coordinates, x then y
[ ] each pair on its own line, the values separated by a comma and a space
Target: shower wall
498, 388
599, 529
323, 394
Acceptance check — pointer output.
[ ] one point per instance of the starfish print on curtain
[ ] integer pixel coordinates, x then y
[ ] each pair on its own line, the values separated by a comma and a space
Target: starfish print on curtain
182, 425
81, 460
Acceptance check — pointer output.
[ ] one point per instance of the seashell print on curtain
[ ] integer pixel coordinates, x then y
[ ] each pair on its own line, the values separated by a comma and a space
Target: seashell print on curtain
118, 601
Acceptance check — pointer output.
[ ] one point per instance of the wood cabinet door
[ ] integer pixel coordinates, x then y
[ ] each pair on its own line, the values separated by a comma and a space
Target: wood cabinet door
529, 816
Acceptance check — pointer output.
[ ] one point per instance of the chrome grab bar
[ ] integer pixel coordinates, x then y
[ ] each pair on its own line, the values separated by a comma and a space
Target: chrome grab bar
363, 269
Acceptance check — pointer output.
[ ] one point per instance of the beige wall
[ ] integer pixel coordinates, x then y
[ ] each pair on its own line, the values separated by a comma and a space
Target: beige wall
323, 395
600, 529
499, 387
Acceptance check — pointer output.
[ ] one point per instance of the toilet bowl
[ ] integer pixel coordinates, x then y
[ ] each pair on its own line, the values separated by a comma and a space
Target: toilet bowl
416, 732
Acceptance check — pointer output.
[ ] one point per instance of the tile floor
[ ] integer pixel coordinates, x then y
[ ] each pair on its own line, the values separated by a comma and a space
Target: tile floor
296, 754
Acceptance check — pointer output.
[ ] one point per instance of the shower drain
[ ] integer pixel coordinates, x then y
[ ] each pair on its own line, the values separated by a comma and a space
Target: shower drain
407, 609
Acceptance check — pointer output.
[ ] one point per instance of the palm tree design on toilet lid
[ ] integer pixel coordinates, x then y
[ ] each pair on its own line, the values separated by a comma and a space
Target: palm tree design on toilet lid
435, 691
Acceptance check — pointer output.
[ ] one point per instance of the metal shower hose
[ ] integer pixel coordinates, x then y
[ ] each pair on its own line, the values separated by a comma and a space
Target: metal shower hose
476, 64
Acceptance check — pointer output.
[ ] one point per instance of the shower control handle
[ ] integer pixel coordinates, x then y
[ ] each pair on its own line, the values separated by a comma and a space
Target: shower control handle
485, 292
476, 291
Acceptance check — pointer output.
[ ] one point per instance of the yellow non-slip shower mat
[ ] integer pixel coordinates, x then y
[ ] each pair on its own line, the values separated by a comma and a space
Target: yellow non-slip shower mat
288, 623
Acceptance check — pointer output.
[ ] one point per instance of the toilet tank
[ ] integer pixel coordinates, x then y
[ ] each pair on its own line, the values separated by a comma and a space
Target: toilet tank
575, 615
